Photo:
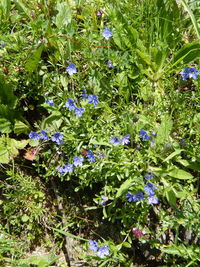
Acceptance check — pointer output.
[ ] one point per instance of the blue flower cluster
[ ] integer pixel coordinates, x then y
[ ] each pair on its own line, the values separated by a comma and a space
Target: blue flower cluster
134, 198
144, 136
50, 102
101, 252
124, 141
41, 136
149, 188
70, 104
189, 73
56, 137
68, 168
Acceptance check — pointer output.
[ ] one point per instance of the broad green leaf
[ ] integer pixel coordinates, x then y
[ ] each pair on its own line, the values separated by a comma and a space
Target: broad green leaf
20, 144
32, 62
171, 197
172, 155
164, 129
187, 54
55, 120
180, 174
124, 187
64, 15
4, 156
21, 127
5, 126
190, 165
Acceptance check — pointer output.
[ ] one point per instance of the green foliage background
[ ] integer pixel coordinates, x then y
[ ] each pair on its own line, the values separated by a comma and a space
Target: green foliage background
152, 42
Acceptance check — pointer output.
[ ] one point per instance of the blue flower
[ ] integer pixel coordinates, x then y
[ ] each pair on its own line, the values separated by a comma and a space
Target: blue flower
79, 111
107, 34
68, 168
78, 161
193, 73
143, 134
137, 197
57, 138
70, 104
99, 13
115, 140
149, 176
34, 135
153, 200
185, 73
84, 95
104, 199
153, 133
71, 69
43, 135
109, 64
50, 102
90, 156
129, 197
149, 189
125, 139
93, 245
93, 99
189, 73
104, 251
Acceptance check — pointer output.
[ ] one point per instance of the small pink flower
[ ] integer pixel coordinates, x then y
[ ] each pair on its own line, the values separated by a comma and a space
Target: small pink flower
138, 232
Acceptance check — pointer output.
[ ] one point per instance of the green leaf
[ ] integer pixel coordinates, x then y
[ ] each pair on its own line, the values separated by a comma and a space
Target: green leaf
187, 54
5, 126
180, 174
64, 15
4, 156
172, 155
54, 120
69, 234
32, 62
5, 5
21, 127
164, 130
193, 19
171, 197
124, 187
126, 245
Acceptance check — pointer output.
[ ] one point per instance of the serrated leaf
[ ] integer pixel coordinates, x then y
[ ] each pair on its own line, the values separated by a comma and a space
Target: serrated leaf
124, 187
180, 174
